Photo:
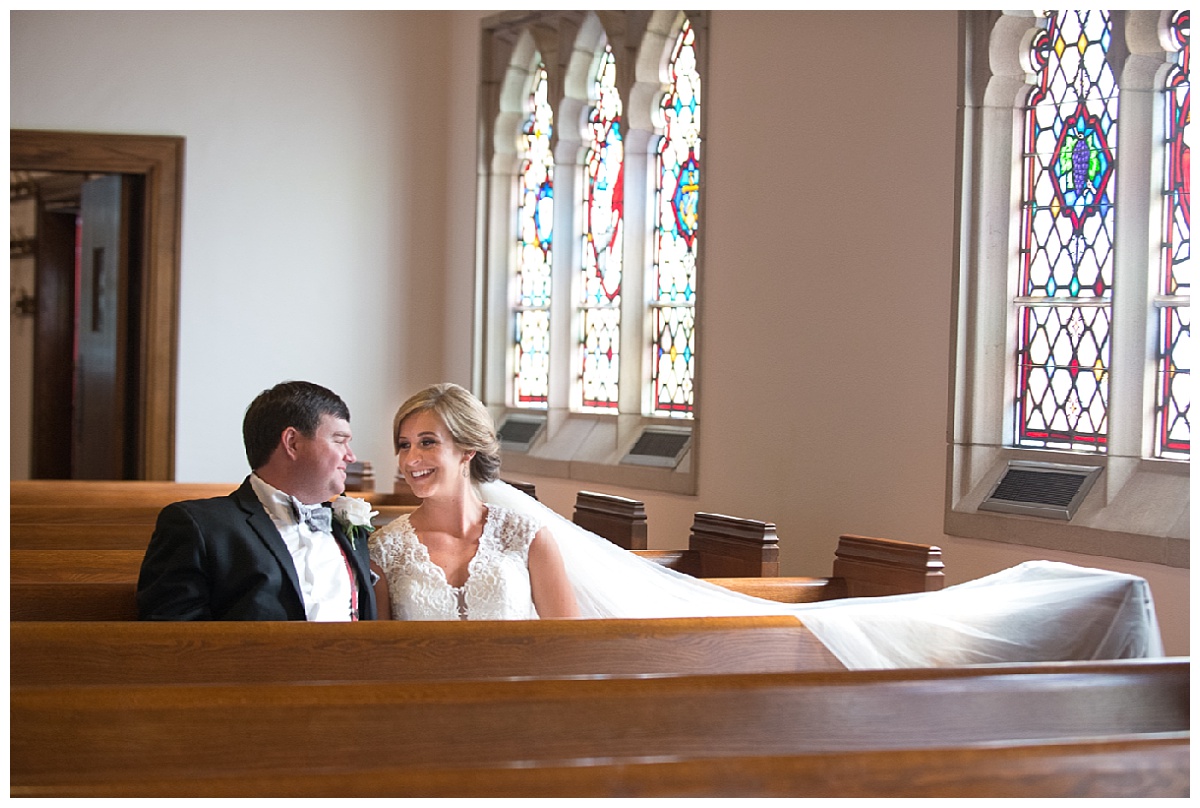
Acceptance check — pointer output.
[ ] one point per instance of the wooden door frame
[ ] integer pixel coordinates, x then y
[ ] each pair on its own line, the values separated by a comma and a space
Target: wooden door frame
160, 161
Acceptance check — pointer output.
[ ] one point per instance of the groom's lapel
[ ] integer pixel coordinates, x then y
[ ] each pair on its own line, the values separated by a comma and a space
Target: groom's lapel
260, 523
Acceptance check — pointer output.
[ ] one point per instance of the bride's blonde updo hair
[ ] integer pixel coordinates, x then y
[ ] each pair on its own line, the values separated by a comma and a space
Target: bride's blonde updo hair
467, 420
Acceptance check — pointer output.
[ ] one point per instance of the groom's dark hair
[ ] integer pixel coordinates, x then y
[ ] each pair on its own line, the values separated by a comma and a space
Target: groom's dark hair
294, 404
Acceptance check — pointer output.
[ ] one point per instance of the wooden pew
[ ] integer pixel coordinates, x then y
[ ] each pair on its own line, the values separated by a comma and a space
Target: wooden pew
360, 478
141, 495
527, 488
738, 549
77, 653
84, 584
109, 493
107, 528
619, 519
1127, 766
80, 597
76, 738
719, 546
863, 566
74, 565
73, 600
137, 493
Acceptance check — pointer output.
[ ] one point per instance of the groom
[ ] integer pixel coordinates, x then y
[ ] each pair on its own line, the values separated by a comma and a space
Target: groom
269, 550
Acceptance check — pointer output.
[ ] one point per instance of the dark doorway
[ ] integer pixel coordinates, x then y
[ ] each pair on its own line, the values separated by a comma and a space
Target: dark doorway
106, 302
88, 276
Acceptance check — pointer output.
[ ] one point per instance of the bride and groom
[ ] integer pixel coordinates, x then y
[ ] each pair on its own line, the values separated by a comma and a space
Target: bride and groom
477, 548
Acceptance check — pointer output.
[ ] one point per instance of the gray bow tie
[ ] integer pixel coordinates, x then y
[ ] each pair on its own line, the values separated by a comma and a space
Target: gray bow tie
317, 517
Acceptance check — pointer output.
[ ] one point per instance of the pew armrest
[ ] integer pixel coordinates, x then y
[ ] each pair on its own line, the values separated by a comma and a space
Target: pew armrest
618, 519
733, 547
872, 566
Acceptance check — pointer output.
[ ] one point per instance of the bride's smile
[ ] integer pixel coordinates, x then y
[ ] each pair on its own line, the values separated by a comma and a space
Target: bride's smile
428, 457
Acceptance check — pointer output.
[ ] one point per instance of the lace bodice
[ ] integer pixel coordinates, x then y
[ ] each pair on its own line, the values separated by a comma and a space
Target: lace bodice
497, 585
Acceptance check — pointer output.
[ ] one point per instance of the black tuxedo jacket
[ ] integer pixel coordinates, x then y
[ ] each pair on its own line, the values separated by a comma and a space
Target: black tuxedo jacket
223, 559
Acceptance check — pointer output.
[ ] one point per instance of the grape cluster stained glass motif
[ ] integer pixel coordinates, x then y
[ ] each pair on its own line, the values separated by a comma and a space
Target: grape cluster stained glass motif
678, 222
603, 236
535, 229
1069, 181
1175, 332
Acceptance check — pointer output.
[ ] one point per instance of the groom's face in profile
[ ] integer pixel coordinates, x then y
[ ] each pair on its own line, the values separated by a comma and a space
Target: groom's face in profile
325, 455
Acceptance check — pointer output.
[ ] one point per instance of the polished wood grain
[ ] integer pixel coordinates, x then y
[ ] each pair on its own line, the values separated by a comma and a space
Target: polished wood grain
73, 736
1127, 766
230, 652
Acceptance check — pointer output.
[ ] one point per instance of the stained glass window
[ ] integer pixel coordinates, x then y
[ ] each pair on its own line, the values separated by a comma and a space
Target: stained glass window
1175, 331
535, 228
1069, 181
677, 224
603, 236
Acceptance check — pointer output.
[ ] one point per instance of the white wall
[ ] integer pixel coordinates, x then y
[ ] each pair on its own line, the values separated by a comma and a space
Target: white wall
319, 146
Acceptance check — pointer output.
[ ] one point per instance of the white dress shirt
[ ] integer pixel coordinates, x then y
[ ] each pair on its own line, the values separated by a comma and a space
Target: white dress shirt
320, 565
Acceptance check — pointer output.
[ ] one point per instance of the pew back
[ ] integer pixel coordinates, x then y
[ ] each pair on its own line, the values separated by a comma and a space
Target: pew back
64, 736
120, 493
109, 493
58, 565
1144, 766
107, 528
59, 595
99, 584
49, 653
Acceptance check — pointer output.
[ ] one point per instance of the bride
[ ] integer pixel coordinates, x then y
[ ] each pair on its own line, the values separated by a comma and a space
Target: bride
455, 557
479, 549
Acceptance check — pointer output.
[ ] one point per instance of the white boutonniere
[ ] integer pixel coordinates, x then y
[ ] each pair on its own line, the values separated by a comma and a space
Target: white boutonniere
354, 514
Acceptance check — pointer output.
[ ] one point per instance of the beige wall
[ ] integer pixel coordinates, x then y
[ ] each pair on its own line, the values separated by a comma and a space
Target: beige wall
319, 150
314, 190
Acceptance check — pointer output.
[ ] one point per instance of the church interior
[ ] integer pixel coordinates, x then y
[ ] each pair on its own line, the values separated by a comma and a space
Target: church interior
316, 186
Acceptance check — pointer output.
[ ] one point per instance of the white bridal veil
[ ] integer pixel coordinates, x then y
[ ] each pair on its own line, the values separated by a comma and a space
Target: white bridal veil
1037, 611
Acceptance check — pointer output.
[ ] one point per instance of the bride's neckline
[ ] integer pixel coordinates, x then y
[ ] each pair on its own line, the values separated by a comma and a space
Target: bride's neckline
428, 559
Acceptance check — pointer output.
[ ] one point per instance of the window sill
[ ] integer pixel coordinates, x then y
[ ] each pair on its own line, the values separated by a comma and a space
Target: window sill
589, 448
1138, 511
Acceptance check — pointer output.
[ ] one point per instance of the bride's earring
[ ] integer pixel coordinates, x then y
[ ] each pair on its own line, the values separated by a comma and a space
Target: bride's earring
466, 469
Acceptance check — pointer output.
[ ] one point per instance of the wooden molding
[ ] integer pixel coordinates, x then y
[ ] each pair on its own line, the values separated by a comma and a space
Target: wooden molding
160, 161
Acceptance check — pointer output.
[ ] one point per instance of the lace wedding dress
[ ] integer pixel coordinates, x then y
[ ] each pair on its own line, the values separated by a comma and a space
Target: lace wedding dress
1036, 611
497, 585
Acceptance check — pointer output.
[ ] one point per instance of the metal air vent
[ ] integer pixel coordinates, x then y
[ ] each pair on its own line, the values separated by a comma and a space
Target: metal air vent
518, 432
660, 446
1049, 490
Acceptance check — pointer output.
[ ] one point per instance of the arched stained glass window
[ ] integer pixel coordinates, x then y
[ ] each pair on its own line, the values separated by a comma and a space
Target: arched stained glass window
1069, 181
676, 229
535, 228
603, 236
1174, 434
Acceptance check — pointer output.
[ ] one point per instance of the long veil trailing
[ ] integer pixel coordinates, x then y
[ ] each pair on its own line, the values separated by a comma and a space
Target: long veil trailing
1036, 611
